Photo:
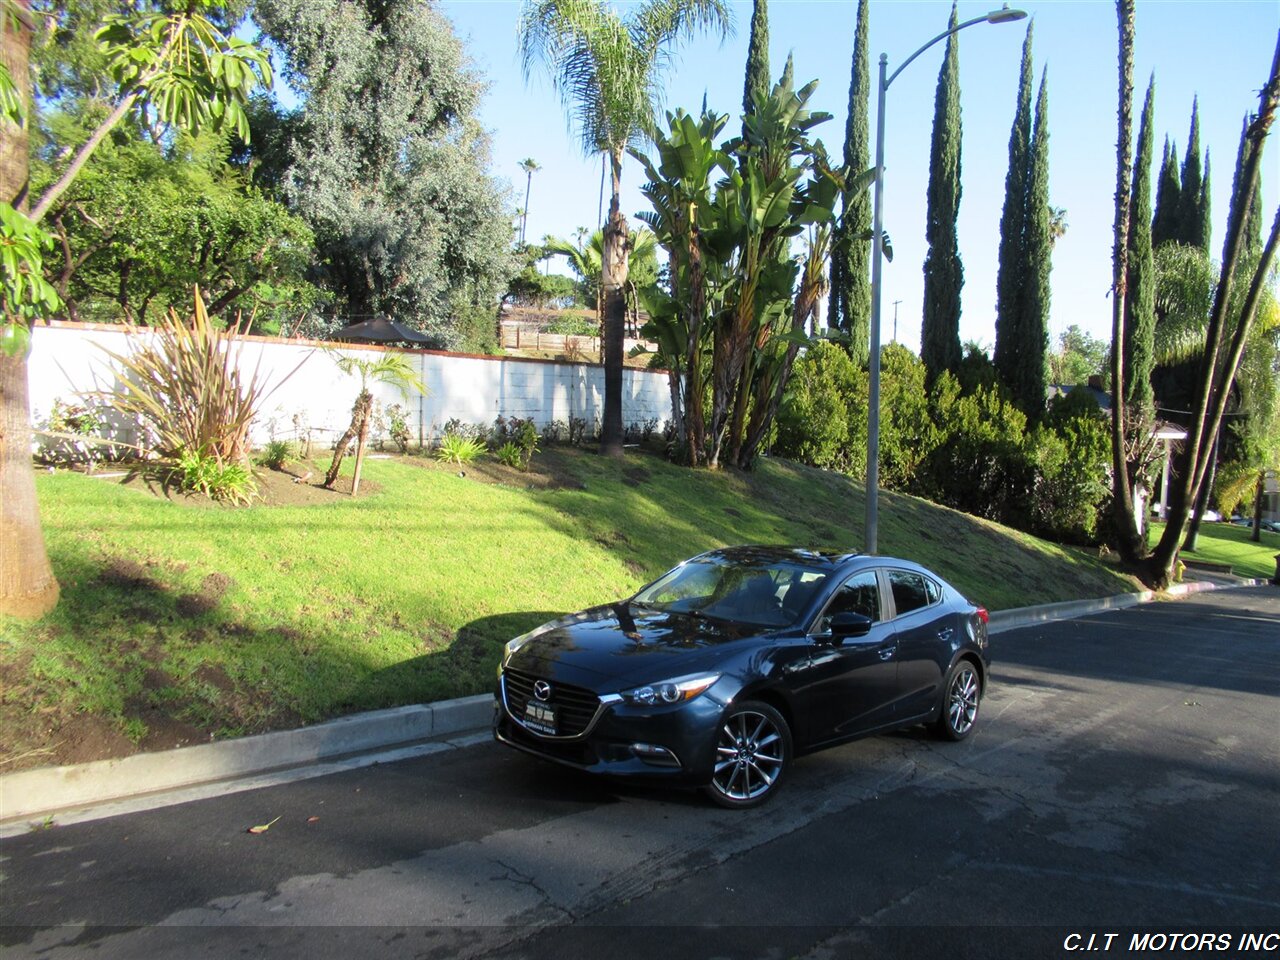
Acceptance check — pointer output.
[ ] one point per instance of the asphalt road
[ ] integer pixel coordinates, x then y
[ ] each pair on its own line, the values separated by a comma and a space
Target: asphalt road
1125, 777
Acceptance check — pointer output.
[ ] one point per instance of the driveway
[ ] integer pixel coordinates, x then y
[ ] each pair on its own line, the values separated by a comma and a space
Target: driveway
1125, 777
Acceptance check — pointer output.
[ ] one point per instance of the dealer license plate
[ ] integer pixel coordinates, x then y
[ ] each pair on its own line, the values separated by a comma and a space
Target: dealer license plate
540, 717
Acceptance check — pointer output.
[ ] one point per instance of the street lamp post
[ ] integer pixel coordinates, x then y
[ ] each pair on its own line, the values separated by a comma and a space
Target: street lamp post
1003, 15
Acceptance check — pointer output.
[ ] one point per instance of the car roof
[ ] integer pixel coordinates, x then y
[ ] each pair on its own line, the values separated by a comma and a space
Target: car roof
830, 560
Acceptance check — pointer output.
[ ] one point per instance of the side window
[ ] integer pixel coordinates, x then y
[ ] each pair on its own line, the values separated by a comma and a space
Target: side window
935, 592
859, 594
909, 591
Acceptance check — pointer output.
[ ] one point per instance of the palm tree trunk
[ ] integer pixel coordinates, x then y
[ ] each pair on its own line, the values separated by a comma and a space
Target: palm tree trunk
359, 420
613, 279
694, 418
28, 588
361, 442
1130, 543
524, 220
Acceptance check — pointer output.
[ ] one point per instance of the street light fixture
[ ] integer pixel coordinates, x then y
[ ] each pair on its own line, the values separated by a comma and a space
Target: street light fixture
1003, 15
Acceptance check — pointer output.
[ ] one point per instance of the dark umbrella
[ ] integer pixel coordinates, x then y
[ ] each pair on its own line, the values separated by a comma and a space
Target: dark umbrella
382, 329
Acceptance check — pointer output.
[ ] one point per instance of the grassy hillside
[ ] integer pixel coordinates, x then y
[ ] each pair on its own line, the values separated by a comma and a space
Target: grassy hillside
181, 621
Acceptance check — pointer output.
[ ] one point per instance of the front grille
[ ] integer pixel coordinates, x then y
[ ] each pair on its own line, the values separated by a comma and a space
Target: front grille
576, 707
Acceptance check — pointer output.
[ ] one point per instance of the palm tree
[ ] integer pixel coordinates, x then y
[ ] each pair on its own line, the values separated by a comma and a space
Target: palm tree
530, 167
391, 368
607, 70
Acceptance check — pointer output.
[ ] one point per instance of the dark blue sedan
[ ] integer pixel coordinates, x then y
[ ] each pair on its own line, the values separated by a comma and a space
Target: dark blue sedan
722, 670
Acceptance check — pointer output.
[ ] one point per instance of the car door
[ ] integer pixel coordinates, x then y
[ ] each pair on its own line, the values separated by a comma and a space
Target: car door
925, 632
852, 681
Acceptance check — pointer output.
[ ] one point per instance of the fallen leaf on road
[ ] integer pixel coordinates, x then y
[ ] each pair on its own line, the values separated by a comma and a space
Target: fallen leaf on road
312, 819
262, 827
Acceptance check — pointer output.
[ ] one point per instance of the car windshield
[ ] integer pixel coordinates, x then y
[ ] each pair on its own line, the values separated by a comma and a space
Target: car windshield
759, 593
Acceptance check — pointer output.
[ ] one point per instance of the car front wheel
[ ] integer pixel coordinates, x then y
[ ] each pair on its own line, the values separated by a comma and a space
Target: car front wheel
753, 751
961, 695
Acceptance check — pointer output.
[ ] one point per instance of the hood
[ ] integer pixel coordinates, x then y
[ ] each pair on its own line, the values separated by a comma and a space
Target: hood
608, 648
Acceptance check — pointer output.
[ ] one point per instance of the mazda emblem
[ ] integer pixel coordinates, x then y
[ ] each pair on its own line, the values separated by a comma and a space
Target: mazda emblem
542, 690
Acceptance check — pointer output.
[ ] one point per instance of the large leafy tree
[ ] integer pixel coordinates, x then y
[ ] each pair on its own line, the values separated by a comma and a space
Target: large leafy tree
180, 70
141, 226
388, 163
943, 271
850, 302
608, 71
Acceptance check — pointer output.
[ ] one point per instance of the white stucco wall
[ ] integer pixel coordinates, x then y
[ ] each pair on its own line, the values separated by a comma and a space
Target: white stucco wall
68, 360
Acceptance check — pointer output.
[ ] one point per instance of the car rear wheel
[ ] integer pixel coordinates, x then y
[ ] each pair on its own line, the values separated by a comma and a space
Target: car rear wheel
753, 751
961, 695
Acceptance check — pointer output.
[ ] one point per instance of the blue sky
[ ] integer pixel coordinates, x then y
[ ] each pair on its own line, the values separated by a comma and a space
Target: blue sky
1219, 50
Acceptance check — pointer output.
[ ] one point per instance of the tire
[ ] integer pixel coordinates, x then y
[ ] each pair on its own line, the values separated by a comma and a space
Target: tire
753, 753
961, 696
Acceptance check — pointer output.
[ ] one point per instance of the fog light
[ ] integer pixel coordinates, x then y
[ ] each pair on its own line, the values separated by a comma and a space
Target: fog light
655, 755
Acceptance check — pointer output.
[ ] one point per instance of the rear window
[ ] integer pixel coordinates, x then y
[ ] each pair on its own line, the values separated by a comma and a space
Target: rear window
912, 591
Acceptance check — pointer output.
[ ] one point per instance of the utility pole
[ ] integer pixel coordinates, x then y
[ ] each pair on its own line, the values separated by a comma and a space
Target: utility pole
895, 320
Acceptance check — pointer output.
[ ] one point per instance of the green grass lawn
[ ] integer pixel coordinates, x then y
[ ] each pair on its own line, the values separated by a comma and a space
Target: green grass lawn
178, 623
1227, 543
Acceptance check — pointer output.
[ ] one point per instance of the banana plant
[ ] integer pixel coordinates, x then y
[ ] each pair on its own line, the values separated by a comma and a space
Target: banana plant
679, 189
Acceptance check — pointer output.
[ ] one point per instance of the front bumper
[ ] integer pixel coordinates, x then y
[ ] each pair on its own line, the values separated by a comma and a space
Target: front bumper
671, 744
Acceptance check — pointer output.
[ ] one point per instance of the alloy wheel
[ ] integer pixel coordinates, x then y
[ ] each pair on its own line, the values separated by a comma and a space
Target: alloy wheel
962, 701
750, 754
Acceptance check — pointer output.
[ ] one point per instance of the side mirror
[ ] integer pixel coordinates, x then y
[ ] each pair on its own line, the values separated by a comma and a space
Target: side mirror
846, 625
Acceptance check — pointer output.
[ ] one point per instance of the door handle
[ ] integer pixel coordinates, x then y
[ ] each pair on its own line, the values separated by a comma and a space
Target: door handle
945, 633
886, 653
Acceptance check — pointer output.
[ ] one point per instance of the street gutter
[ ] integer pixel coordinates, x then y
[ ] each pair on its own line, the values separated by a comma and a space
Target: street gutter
47, 796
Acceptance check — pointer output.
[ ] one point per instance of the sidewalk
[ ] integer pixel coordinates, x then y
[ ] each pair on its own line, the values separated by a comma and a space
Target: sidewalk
106, 788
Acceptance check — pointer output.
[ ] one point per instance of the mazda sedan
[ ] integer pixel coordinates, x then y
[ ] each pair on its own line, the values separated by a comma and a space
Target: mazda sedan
721, 671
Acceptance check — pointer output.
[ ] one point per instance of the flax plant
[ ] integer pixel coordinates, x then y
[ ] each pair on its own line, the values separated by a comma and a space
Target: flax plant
188, 387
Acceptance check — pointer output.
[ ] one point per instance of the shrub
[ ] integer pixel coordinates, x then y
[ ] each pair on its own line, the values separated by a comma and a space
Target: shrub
72, 434
814, 421
187, 387
458, 428
275, 453
572, 326
1072, 454
979, 464
511, 455
398, 427
458, 449
196, 472
557, 431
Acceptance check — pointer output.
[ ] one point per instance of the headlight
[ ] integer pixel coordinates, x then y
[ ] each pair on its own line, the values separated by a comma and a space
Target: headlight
677, 690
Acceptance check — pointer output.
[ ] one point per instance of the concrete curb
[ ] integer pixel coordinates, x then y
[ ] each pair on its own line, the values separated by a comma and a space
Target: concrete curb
36, 793
174, 776
1002, 620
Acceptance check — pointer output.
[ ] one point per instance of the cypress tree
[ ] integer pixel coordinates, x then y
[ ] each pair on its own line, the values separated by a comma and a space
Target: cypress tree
1252, 237
1205, 227
1189, 223
943, 271
1140, 312
1164, 225
757, 83
1010, 277
1029, 386
850, 281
